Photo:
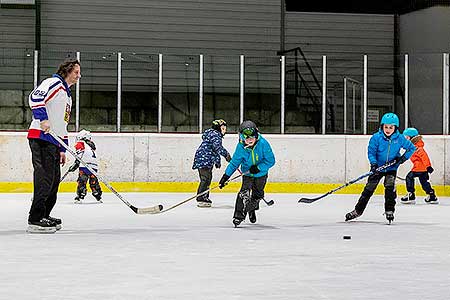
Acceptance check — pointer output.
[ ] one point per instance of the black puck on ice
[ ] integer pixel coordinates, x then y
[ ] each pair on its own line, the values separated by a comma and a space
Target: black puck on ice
347, 237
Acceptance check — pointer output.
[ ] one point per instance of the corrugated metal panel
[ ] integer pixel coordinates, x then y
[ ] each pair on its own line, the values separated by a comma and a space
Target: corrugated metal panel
344, 38
17, 28
323, 33
169, 27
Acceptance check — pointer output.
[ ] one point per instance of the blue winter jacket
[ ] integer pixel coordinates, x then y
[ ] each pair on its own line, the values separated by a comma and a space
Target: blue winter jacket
382, 149
209, 151
261, 155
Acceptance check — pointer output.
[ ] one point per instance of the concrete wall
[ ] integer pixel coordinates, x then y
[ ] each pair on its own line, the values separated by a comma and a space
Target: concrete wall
168, 157
424, 35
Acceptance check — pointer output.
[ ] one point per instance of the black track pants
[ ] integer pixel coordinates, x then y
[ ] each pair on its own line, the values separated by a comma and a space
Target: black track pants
253, 189
46, 177
390, 194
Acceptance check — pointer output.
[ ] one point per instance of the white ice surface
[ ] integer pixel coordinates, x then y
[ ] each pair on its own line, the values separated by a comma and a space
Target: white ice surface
295, 251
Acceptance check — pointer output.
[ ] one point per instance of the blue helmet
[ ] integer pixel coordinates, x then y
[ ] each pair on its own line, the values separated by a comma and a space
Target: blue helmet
411, 132
390, 119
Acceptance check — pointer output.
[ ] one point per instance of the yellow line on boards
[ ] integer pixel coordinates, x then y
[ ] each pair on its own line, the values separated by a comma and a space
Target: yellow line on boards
191, 187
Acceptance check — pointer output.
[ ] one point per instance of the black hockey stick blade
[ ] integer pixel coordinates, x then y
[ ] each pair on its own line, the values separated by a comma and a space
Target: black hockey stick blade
269, 203
311, 200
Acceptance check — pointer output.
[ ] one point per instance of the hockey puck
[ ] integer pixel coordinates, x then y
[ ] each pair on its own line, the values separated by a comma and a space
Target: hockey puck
347, 237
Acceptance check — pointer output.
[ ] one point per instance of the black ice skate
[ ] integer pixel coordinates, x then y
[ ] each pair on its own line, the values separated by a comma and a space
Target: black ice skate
237, 222
97, 196
432, 199
77, 199
252, 216
389, 216
57, 222
44, 225
351, 215
205, 202
409, 198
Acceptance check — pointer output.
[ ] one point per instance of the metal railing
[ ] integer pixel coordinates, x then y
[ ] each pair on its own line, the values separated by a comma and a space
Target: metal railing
168, 93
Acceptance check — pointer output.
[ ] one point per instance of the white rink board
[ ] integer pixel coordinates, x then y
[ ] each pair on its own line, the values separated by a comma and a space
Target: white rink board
295, 251
141, 157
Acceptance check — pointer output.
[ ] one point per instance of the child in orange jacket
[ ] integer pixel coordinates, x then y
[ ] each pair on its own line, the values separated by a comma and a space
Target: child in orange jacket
421, 168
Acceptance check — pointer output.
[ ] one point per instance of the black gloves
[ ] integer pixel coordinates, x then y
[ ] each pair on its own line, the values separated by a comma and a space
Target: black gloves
254, 169
223, 181
228, 157
399, 160
75, 166
373, 168
90, 143
430, 169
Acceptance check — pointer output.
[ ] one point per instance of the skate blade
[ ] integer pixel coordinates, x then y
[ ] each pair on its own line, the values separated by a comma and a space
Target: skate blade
237, 223
408, 202
203, 205
41, 230
432, 202
58, 227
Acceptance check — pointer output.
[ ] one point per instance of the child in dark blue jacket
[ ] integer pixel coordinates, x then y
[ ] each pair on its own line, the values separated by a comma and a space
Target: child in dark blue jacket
207, 156
254, 154
384, 146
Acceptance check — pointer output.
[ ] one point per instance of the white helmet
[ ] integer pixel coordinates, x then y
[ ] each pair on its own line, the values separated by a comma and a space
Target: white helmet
84, 135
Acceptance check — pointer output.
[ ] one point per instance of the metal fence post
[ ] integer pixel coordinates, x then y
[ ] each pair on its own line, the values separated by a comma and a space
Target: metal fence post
241, 90
35, 68
160, 91
406, 90
324, 94
283, 92
365, 96
445, 91
200, 97
345, 105
77, 101
119, 89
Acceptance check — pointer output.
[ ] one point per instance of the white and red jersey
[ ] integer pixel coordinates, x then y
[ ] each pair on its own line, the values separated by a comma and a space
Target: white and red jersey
51, 100
87, 154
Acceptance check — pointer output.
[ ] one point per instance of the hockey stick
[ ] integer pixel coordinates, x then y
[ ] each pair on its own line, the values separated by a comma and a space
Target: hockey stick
64, 176
311, 200
401, 178
269, 203
140, 211
200, 194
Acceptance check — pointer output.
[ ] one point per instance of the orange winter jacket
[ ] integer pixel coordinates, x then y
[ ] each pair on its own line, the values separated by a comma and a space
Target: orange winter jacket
420, 157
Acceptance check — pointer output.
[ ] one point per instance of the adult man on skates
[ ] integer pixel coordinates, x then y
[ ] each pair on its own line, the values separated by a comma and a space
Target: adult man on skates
50, 104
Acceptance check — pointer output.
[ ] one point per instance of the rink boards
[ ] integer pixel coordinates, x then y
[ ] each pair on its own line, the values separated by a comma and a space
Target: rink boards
151, 162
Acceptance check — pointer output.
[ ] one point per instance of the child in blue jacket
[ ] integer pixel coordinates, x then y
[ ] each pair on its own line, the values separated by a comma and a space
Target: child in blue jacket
207, 156
255, 157
384, 146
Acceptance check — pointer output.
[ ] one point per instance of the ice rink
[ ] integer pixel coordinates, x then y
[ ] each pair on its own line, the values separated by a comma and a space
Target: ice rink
294, 251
